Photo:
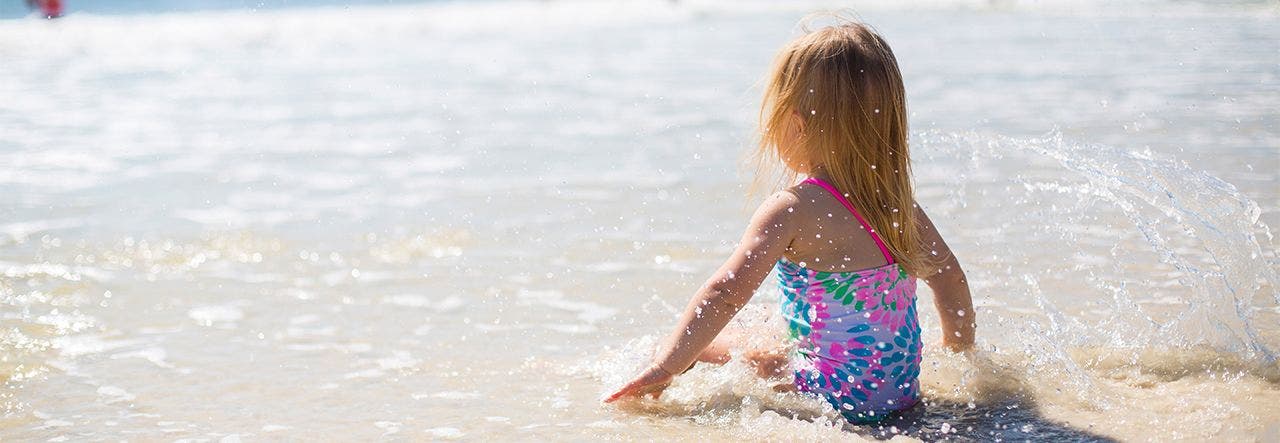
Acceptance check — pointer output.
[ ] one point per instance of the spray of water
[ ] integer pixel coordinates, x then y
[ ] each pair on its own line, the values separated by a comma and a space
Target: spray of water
1102, 276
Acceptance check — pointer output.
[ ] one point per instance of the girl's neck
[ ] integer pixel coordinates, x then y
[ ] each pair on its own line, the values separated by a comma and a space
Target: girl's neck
820, 173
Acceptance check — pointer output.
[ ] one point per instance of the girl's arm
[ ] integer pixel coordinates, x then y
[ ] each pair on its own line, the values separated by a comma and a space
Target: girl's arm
719, 299
950, 289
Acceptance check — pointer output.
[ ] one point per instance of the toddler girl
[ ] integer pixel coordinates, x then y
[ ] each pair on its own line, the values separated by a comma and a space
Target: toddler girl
848, 241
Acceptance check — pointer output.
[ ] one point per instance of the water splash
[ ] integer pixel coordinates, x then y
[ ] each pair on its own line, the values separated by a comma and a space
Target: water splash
1102, 276
1201, 227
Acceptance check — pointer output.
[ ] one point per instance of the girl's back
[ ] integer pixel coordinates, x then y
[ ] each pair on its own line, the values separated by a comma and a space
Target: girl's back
831, 238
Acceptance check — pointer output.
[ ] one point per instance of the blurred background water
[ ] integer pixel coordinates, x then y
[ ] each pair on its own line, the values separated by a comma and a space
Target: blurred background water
357, 220
14, 9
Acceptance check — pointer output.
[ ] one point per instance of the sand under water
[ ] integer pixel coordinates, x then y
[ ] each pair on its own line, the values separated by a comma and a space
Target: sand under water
469, 220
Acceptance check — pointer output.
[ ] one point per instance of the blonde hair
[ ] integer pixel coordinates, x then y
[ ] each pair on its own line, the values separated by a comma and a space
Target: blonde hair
843, 83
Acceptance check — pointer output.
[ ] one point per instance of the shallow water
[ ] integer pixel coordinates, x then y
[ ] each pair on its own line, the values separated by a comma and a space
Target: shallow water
470, 220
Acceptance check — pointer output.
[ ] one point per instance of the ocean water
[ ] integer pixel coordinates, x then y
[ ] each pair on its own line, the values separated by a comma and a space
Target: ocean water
470, 220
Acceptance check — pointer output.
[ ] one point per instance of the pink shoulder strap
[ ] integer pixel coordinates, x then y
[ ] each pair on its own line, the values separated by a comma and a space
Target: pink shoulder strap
832, 189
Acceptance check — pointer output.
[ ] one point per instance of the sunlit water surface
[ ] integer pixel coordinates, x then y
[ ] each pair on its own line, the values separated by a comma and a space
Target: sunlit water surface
471, 220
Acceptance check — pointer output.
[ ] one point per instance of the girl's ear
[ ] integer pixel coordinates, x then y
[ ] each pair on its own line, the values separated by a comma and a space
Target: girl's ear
797, 122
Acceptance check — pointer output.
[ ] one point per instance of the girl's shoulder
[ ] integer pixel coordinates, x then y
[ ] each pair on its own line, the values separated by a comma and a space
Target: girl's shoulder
794, 205
780, 204
794, 199
806, 197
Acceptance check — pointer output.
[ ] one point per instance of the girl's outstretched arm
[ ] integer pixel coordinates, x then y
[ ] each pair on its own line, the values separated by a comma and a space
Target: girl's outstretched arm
729, 289
950, 289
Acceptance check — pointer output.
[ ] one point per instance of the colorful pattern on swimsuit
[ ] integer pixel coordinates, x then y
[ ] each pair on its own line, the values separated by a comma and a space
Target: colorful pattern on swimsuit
857, 335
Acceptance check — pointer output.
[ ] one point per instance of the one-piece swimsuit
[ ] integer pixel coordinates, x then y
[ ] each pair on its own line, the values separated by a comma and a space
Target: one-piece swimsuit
856, 333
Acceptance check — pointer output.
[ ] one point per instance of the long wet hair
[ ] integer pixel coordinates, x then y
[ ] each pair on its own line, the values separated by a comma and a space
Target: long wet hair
839, 89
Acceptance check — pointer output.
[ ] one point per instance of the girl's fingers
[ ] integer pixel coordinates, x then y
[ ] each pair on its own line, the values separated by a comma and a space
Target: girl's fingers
621, 392
638, 388
652, 382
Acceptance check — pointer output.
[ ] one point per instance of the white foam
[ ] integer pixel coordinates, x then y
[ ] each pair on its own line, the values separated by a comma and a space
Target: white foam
398, 360
409, 300
388, 427
215, 314
80, 345
451, 303
445, 433
448, 395
155, 355
366, 373
586, 311
55, 423
115, 394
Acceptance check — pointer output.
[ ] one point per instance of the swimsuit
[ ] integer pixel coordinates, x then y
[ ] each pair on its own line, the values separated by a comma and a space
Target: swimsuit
856, 333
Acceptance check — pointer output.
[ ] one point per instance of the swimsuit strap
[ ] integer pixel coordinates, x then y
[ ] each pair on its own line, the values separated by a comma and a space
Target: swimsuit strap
832, 189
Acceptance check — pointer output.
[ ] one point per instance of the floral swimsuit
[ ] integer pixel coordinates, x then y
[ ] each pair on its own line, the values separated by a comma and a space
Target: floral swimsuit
856, 333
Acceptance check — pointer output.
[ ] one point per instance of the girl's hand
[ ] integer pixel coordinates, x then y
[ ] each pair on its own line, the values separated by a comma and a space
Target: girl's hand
652, 381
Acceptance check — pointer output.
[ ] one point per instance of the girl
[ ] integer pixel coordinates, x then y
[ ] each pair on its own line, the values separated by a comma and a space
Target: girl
848, 242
